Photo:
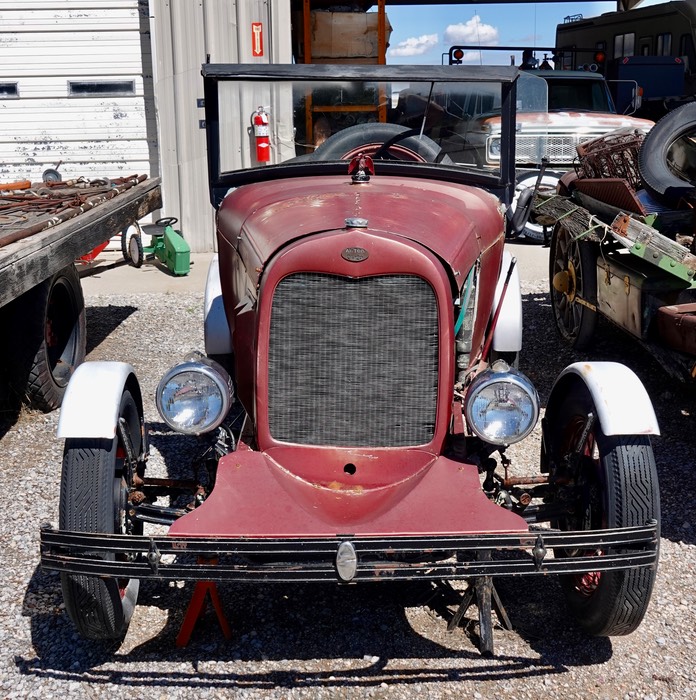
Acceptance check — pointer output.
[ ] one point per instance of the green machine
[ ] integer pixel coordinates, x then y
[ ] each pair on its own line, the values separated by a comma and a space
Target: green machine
166, 245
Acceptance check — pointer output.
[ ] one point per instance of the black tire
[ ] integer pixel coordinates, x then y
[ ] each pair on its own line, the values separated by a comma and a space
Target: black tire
653, 159
525, 180
94, 498
616, 486
573, 278
136, 254
47, 325
369, 138
124, 245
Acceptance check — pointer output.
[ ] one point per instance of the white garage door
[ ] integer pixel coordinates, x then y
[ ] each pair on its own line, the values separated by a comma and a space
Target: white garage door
76, 89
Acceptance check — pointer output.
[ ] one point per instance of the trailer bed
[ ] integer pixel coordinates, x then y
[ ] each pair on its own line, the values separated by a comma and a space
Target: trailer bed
36, 243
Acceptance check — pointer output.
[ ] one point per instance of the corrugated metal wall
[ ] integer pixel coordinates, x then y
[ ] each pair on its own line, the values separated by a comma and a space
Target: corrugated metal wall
76, 86
184, 33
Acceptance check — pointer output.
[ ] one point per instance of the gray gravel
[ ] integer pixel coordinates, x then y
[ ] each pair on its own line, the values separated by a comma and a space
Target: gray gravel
325, 641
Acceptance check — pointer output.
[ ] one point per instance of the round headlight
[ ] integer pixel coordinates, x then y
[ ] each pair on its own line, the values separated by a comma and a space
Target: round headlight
494, 147
502, 405
194, 397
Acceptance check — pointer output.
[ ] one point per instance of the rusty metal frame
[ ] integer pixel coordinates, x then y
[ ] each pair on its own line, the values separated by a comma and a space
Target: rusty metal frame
379, 558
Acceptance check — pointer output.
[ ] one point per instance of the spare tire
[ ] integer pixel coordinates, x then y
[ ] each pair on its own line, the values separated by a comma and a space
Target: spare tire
404, 144
658, 178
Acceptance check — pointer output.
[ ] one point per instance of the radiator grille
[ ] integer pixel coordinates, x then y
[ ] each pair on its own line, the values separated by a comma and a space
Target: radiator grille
560, 150
353, 362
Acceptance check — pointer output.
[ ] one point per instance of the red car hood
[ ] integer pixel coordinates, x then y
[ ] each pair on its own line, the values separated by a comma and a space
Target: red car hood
449, 219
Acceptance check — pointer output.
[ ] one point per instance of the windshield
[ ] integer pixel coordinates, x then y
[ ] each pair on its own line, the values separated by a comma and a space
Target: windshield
579, 95
422, 118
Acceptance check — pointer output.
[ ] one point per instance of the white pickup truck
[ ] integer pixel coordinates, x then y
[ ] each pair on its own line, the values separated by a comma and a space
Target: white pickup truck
556, 111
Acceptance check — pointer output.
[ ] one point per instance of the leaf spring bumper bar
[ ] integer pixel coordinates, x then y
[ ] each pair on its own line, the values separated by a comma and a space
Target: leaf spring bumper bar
378, 558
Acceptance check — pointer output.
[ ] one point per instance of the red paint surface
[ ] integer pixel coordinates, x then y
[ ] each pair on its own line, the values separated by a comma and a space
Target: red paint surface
254, 497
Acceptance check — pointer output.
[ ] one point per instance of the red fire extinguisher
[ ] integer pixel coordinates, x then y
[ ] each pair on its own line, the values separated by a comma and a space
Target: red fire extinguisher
261, 133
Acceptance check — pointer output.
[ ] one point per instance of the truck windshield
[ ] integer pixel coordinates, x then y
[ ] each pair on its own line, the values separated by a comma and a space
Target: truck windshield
571, 94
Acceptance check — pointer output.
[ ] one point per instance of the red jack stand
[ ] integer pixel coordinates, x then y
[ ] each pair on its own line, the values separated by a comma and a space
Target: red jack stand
195, 610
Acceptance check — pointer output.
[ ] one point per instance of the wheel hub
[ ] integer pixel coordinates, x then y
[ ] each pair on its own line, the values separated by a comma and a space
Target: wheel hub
564, 282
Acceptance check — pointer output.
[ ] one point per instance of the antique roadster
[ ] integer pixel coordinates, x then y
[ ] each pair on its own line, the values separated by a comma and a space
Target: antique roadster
360, 382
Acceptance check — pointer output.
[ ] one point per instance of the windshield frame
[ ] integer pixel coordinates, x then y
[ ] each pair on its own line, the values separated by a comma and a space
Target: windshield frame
501, 183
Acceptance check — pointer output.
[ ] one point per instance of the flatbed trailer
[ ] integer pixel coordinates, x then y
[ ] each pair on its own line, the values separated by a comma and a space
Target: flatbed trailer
42, 316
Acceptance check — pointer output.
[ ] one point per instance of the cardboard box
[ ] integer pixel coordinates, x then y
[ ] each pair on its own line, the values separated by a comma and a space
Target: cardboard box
341, 35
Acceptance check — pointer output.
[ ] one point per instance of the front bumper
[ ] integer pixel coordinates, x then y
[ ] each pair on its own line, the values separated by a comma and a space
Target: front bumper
305, 559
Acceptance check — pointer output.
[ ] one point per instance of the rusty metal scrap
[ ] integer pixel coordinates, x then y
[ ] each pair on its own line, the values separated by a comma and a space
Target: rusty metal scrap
48, 204
677, 326
613, 155
613, 191
651, 245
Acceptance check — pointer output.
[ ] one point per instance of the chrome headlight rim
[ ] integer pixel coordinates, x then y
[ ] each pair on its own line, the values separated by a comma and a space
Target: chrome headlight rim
494, 146
501, 373
212, 371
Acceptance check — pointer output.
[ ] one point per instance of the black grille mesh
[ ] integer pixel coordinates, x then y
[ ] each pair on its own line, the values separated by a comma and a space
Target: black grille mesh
353, 362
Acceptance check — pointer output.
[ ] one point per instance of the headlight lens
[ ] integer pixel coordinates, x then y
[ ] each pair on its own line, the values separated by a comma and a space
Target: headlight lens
502, 405
494, 147
194, 396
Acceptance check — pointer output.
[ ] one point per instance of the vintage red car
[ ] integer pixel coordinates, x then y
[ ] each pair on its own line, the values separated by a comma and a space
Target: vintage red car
371, 322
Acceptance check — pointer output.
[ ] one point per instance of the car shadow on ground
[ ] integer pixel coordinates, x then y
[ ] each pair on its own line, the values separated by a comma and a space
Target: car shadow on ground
276, 628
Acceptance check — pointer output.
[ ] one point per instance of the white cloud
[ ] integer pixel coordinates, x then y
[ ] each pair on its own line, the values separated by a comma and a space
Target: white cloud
414, 46
472, 32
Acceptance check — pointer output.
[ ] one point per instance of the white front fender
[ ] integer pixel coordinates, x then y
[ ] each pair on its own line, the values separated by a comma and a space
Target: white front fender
92, 400
622, 403
507, 336
218, 339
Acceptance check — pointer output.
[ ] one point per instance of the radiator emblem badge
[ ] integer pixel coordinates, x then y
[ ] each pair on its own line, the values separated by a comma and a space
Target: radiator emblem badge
354, 254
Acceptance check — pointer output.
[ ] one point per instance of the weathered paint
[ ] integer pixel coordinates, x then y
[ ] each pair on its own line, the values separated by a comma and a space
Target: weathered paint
623, 405
42, 49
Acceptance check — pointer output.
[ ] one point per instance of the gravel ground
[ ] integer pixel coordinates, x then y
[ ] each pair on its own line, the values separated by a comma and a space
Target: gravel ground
326, 641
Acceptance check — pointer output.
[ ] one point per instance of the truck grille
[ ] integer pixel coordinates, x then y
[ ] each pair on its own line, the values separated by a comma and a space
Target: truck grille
353, 362
560, 150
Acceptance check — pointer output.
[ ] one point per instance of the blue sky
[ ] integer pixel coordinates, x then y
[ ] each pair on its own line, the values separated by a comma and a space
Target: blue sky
422, 33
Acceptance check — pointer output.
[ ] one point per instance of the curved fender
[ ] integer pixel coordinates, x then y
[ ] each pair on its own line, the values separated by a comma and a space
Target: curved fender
622, 402
92, 399
216, 330
507, 336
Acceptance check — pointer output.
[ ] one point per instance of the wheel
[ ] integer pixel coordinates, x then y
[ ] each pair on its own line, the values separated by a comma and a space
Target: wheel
136, 254
573, 275
526, 180
167, 221
47, 325
124, 245
94, 498
658, 152
615, 485
386, 141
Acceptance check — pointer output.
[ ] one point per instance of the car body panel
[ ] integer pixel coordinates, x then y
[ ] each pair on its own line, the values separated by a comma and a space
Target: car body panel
89, 414
623, 404
257, 488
